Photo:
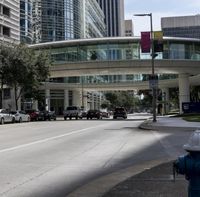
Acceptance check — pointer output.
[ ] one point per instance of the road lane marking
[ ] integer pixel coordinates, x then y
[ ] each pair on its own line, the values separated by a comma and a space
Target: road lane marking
48, 139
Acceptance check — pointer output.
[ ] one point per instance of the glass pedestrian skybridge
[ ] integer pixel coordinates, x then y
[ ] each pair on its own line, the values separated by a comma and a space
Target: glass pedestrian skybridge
118, 48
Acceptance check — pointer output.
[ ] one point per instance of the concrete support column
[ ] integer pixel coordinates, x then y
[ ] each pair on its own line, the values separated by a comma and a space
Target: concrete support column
184, 90
66, 98
100, 100
92, 101
77, 100
35, 104
85, 100
165, 99
47, 99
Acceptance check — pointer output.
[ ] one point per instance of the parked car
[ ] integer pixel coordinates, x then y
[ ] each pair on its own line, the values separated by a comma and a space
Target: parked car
94, 114
105, 114
21, 116
47, 115
84, 114
119, 112
34, 114
6, 116
72, 112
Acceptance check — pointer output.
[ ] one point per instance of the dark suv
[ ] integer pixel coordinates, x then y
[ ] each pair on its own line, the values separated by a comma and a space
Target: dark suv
94, 114
119, 112
47, 115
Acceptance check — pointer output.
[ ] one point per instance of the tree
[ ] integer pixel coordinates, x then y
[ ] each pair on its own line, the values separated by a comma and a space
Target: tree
121, 99
26, 70
5, 50
105, 104
195, 93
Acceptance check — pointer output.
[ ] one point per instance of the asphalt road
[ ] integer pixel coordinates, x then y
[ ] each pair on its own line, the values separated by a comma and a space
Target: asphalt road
53, 159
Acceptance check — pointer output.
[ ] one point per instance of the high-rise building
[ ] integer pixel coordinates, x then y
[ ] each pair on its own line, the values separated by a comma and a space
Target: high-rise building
9, 20
55, 20
26, 30
94, 25
128, 28
181, 26
114, 16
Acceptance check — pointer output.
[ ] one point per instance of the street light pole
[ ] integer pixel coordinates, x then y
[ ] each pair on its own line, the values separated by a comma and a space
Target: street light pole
152, 64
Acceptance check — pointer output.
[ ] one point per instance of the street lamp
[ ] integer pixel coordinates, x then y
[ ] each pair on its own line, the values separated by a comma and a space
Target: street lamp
152, 64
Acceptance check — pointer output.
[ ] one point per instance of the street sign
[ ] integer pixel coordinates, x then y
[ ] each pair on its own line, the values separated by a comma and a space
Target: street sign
153, 81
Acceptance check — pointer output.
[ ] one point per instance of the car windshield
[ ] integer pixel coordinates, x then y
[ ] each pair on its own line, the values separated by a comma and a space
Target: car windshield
120, 109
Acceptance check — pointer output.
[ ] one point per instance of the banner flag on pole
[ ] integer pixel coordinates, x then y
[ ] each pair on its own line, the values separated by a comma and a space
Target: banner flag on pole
145, 42
158, 41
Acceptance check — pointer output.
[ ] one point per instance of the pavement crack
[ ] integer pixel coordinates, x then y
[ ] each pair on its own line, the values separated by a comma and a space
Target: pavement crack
113, 155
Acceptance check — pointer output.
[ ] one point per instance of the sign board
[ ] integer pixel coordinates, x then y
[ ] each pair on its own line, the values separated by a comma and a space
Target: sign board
153, 81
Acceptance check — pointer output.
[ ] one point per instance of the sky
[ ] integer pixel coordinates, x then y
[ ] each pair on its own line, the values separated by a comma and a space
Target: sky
158, 8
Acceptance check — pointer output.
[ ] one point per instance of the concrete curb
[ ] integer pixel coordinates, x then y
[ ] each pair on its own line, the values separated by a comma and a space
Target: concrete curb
148, 125
100, 186
155, 182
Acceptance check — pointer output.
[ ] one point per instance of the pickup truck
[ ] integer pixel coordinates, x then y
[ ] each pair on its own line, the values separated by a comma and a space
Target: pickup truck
72, 112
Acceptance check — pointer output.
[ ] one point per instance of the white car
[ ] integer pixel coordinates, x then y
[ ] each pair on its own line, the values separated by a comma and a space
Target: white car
21, 116
6, 116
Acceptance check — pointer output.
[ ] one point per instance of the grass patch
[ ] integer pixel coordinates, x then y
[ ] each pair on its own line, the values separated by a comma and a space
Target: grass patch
194, 118
191, 117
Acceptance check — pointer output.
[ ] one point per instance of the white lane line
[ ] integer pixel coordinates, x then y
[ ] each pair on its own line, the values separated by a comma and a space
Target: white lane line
47, 139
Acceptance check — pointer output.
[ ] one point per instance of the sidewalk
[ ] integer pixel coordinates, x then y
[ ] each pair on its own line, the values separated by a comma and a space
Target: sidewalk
167, 121
155, 181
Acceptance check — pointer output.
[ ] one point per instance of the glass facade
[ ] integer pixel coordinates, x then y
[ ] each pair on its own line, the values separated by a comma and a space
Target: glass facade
184, 32
56, 20
114, 16
26, 31
125, 49
94, 20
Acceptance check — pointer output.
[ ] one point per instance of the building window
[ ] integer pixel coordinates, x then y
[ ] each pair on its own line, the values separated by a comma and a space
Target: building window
6, 11
6, 93
6, 31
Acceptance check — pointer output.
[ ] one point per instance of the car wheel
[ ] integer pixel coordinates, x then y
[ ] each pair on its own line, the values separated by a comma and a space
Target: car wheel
2, 121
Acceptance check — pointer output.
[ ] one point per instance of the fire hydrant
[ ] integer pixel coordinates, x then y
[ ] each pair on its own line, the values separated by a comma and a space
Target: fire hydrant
189, 165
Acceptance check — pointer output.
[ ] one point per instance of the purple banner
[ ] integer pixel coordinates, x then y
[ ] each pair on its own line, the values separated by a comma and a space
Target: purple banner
145, 42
